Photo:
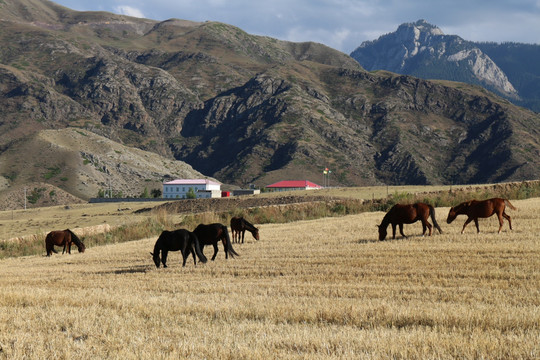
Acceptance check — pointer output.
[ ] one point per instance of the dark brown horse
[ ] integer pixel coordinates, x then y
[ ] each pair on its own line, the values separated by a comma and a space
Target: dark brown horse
475, 209
407, 214
62, 238
239, 225
180, 239
211, 234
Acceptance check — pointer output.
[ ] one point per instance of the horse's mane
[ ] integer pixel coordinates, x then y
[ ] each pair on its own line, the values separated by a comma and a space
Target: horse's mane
75, 239
160, 239
249, 225
463, 206
386, 219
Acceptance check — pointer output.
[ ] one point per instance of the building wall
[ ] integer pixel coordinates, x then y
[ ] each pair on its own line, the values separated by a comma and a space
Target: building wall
181, 191
206, 194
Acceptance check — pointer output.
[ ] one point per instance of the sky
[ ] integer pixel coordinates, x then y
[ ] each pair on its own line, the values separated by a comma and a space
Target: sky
342, 24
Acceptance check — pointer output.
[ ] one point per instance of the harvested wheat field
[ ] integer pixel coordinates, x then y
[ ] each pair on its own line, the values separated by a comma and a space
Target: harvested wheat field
318, 289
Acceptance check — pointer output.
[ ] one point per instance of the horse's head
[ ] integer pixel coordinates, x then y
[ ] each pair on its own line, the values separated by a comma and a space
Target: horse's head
256, 234
155, 256
81, 247
452, 214
382, 232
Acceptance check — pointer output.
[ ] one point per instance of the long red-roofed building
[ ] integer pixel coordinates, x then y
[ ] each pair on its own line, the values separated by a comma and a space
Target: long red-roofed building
287, 185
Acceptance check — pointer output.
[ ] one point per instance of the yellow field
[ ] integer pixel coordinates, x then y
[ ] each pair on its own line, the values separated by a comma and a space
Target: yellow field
307, 290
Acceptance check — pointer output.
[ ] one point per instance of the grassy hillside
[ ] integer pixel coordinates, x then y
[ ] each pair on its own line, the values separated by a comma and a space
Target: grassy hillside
81, 163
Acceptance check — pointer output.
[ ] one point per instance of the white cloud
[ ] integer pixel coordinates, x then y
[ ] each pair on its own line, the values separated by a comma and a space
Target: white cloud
129, 11
342, 24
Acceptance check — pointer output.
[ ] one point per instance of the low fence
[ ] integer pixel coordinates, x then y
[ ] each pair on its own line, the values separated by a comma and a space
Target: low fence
113, 200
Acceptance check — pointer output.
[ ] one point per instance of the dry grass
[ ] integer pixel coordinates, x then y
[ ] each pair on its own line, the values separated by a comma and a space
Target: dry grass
308, 290
18, 223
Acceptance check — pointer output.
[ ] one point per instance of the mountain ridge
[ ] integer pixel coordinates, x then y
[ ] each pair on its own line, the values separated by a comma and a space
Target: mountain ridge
422, 49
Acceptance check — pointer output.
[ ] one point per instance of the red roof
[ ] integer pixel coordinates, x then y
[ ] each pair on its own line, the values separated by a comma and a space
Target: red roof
294, 184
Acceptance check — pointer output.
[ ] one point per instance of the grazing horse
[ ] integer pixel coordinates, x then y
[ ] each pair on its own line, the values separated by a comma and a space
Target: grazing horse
408, 214
475, 209
239, 225
182, 240
211, 234
65, 238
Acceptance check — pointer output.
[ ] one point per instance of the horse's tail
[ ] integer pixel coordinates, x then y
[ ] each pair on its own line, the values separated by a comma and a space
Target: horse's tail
77, 241
229, 248
507, 202
432, 213
195, 241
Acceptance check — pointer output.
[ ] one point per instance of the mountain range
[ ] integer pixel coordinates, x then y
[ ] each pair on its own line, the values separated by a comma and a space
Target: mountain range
240, 108
421, 49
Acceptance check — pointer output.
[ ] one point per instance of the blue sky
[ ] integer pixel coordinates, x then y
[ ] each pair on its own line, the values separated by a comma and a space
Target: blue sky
342, 24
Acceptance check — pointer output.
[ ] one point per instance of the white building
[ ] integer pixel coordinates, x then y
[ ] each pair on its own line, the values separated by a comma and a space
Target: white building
179, 188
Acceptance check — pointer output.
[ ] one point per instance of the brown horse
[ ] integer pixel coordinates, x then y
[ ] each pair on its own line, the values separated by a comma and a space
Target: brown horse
62, 238
475, 209
407, 214
211, 234
239, 225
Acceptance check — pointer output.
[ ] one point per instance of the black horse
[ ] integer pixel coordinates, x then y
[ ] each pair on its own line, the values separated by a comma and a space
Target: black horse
211, 234
182, 240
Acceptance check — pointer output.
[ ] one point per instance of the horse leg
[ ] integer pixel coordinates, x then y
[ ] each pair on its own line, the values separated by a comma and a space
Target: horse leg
185, 255
216, 251
192, 250
401, 231
243, 233
394, 231
164, 257
476, 223
507, 217
466, 223
428, 225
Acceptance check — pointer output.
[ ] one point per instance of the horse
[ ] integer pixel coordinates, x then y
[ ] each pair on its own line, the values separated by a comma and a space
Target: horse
182, 240
407, 214
475, 209
239, 225
210, 235
65, 238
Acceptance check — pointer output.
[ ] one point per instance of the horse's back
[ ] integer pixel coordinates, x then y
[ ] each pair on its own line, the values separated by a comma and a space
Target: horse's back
209, 233
402, 213
173, 240
486, 208
56, 237
236, 223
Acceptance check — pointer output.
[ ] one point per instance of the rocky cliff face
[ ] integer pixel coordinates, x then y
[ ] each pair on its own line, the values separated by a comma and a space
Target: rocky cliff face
422, 49
248, 109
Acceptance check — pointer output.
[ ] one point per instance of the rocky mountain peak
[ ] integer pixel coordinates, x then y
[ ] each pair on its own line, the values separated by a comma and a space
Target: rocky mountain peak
422, 49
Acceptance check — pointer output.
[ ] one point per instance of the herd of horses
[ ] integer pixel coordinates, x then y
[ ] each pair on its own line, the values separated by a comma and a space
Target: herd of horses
193, 242
474, 209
